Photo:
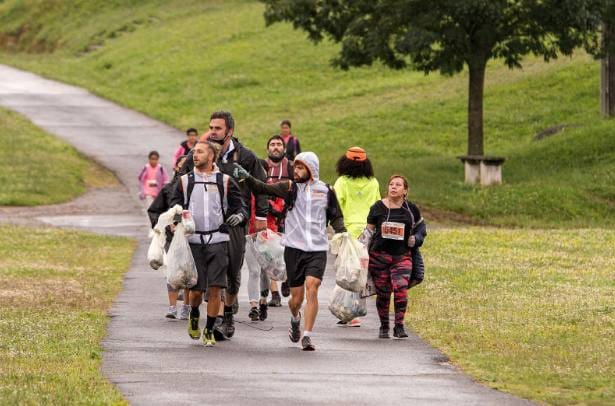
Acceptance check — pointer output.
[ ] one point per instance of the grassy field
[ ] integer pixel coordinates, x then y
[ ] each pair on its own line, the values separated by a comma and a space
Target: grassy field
178, 60
55, 290
37, 168
529, 312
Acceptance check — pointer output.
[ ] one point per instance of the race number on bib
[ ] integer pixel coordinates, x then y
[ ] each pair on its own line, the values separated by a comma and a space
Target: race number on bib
392, 230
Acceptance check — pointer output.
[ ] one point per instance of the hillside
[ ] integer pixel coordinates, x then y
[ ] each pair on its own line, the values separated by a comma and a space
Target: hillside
179, 60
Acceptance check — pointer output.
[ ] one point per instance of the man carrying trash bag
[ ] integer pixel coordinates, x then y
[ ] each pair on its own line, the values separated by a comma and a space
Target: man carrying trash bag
311, 205
215, 203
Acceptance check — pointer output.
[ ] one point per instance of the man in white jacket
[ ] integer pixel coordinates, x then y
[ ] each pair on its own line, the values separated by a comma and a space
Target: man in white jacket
311, 205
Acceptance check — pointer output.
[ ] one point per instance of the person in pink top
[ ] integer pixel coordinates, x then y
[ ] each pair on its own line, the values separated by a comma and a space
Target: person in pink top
152, 178
186, 145
293, 148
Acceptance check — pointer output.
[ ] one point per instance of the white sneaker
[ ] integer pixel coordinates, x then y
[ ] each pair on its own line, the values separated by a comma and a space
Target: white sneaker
184, 312
171, 313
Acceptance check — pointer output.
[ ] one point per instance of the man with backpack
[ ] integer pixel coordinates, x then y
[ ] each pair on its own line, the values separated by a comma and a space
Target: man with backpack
215, 203
310, 206
221, 131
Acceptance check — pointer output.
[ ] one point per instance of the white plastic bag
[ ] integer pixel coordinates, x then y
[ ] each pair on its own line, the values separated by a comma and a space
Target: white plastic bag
346, 305
270, 254
351, 262
188, 222
155, 253
179, 264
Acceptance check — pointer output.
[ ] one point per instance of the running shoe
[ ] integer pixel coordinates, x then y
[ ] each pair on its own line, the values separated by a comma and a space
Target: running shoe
399, 331
294, 332
306, 343
384, 332
184, 313
342, 323
217, 329
228, 325
262, 311
208, 338
276, 300
193, 328
285, 289
254, 314
354, 323
171, 313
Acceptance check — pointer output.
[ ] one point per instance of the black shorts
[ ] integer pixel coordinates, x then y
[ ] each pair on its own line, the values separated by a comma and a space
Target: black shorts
211, 264
300, 264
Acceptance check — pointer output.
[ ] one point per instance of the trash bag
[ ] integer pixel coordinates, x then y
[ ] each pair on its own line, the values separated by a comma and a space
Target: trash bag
270, 254
188, 222
179, 264
346, 305
351, 262
370, 288
155, 253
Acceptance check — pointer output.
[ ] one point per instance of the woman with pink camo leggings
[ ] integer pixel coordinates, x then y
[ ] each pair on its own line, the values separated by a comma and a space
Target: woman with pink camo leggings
394, 228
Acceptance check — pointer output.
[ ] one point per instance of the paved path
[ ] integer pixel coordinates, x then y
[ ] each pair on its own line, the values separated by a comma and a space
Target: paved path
153, 361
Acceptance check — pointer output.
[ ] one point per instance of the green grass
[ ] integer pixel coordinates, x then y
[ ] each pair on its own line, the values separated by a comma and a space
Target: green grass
55, 290
179, 60
529, 312
37, 168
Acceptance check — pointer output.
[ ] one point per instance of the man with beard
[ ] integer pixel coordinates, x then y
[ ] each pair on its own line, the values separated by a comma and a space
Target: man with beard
221, 131
311, 205
215, 203
278, 169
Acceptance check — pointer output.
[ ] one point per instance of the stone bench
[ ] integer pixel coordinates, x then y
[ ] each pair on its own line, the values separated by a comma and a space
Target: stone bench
486, 170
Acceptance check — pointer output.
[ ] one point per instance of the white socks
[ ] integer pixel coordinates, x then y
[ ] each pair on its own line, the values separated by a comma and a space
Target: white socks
307, 333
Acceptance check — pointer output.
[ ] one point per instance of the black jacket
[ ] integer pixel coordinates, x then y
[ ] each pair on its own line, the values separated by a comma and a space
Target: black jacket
248, 160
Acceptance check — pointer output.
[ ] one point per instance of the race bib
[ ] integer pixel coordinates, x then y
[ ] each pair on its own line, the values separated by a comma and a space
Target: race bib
392, 230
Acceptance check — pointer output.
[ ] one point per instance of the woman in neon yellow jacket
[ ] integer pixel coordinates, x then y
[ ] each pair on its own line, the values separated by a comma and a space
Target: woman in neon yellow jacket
357, 190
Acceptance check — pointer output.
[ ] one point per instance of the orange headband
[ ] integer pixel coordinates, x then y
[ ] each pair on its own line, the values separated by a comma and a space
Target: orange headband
356, 154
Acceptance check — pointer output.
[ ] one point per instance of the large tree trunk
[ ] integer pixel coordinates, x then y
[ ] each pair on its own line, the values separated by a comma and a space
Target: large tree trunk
607, 85
475, 106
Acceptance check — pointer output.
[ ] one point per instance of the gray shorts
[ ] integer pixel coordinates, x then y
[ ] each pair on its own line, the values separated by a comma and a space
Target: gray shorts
211, 264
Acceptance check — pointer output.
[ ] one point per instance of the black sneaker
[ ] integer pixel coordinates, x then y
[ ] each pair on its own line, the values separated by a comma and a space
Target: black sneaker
399, 331
218, 335
254, 314
285, 289
307, 345
384, 332
228, 325
262, 311
276, 300
294, 332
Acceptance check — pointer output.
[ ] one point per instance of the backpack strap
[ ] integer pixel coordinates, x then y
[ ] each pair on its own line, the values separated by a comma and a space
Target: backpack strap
222, 191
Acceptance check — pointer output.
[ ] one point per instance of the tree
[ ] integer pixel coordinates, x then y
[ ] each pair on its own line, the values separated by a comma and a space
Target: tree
607, 85
446, 35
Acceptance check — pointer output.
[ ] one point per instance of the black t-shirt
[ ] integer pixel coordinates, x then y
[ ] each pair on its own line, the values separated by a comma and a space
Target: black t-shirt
393, 227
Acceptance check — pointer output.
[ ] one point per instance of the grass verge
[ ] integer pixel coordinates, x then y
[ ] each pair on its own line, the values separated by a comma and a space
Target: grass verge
37, 168
527, 312
55, 290
178, 60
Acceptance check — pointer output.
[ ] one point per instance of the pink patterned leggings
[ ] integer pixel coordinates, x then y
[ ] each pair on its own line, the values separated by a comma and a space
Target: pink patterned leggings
391, 274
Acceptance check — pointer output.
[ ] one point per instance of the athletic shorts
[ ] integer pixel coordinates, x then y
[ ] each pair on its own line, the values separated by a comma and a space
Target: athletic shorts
300, 264
211, 264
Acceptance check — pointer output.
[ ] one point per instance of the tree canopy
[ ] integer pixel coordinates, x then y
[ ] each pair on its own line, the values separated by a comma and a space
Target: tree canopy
447, 35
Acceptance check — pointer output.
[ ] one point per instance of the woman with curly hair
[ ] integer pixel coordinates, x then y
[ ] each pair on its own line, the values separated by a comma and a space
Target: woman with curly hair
357, 189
